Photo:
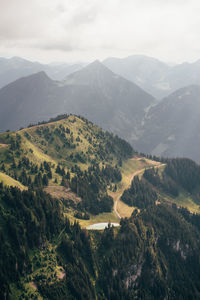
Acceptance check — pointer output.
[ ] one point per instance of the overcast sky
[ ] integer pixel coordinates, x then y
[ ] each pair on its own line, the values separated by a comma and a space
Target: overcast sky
84, 30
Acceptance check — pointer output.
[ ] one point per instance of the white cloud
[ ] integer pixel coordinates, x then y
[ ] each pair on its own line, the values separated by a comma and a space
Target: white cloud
89, 29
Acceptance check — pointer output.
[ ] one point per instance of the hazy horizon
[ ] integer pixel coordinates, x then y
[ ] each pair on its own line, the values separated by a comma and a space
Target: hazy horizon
170, 63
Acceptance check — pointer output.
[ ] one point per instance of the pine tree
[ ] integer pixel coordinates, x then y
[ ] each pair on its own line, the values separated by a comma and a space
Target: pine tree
45, 180
49, 174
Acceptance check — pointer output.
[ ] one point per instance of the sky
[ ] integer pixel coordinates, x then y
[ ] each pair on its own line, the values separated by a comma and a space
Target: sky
85, 30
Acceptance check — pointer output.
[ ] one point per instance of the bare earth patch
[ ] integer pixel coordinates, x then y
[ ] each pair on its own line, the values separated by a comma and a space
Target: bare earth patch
146, 160
124, 209
61, 273
32, 283
62, 192
3, 145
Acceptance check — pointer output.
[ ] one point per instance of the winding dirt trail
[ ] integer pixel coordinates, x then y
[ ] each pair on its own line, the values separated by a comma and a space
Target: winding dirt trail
117, 195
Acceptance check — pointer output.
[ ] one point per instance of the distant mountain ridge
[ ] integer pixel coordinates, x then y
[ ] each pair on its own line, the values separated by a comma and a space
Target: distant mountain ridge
154, 76
14, 68
95, 92
168, 128
143, 70
157, 78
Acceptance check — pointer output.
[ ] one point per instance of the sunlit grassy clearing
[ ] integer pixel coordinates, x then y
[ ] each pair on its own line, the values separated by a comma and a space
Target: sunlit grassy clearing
9, 181
124, 210
184, 200
37, 156
101, 218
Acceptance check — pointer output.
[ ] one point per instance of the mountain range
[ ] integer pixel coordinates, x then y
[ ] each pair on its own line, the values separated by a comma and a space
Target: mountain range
166, 128
158, 78
95, 92
147, 72
16, 67
154, 76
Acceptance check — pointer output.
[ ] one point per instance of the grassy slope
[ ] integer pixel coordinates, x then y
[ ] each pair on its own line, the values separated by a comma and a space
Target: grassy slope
184, 199
38, 149
36, 142
78, 129
7, 180
137, 166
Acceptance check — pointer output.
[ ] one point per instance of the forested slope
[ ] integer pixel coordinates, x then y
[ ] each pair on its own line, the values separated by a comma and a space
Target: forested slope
154, 254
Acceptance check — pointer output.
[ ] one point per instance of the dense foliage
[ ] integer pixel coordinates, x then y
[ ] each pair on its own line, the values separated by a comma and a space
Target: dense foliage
180, 174
161, 181
155, 255
27, 220
184, 172
91, 186
75, 255
139, 194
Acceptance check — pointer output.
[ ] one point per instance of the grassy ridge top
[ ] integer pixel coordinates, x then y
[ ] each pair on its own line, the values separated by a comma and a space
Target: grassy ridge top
74, 140
69, 141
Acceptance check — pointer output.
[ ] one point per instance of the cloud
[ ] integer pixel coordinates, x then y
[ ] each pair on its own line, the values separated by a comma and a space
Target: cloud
98, 28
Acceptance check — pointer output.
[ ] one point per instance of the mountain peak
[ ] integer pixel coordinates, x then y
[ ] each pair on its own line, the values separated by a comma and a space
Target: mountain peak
97, 66
93, 74
96, 62
18, 59
38, 76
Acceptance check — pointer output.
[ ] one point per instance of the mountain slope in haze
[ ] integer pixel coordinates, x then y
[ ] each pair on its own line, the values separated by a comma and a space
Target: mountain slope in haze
183, 75
154, 76
119, 105
23, 101
147, 72
95, 92
16, 67
172, 127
